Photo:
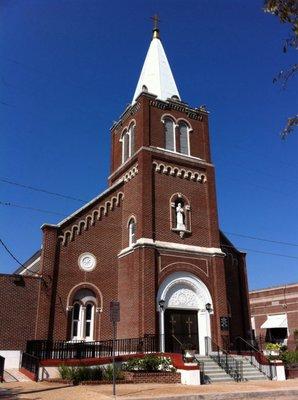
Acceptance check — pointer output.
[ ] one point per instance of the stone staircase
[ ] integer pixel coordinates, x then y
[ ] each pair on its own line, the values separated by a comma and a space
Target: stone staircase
250, 372
214, 373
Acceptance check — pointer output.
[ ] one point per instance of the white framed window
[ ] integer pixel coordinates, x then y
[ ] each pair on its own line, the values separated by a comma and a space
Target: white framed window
83, 315
176, 135
184, 137
132, 232
125, 146
170, 140
75, 324
89, 321
128, 142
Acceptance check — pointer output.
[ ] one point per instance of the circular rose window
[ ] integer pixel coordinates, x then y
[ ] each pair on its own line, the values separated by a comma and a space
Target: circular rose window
87, 262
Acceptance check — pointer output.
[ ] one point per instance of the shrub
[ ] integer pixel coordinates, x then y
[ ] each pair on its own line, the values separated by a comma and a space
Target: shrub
107, 373
290, 357
150, 363
79, 374
132, 364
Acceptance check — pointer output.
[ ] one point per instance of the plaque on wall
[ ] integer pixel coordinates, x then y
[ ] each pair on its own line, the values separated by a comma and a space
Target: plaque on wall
224, 323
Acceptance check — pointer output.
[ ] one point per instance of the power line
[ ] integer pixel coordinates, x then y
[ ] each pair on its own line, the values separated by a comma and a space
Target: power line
229, 233
261, 239
5, 180
10, 253
4, 203
260, 251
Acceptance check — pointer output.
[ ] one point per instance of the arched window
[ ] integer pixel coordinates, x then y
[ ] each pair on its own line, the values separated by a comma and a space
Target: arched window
125, 146
184, 138
132, 139
75, 325
128, 142
89, 320
132, 232
169, 134
82, 317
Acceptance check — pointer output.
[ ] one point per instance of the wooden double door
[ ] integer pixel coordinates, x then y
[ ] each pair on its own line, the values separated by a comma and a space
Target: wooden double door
181, 330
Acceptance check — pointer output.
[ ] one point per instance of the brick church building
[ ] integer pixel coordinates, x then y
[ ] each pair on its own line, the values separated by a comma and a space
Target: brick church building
151, 240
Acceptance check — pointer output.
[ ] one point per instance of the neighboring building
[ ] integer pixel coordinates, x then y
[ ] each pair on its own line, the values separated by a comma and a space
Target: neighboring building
274, 314
151, 240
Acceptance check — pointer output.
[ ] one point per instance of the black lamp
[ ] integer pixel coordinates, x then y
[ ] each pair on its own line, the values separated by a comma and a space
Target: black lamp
161, 304
208, 307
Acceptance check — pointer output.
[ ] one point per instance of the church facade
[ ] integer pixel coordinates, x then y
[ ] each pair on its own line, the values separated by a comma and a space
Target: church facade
150, 241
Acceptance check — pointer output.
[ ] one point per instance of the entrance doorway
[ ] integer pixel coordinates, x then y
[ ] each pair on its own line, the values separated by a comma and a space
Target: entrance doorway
181, 330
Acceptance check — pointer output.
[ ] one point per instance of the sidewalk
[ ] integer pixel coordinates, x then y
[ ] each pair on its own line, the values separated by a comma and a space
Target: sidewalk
287, 390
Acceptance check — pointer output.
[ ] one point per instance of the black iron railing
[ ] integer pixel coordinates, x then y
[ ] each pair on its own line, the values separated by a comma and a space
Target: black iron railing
228, 363
30, 363
202, 372
255, 357
47, 349
2, 362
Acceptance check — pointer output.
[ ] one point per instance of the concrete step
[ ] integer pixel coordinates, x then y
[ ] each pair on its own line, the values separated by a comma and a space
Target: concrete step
14, 375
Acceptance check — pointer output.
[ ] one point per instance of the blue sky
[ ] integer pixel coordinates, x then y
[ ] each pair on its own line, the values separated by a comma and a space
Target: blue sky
68, 70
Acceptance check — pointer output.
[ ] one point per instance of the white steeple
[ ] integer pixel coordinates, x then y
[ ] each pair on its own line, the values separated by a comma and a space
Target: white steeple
156, 75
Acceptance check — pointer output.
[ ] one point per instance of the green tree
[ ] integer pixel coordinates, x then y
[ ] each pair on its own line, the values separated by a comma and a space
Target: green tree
287, 12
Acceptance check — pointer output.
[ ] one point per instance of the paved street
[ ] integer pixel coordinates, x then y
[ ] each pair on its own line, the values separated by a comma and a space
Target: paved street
254, 390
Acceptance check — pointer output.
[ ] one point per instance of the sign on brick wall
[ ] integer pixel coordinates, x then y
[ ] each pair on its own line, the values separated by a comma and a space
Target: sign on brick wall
114, 311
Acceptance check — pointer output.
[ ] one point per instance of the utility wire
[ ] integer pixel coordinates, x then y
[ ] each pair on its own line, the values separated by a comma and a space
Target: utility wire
223, 244
10, 253
5, 180
4, 203
261, 239
260, 251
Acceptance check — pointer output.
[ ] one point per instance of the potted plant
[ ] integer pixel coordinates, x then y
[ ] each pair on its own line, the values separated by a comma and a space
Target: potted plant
290, 359
189, 352
272, 349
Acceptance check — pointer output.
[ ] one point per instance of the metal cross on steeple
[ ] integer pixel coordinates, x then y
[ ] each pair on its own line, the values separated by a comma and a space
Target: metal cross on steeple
156, 20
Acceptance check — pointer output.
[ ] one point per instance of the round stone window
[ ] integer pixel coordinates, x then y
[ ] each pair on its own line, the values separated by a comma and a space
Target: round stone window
87, 262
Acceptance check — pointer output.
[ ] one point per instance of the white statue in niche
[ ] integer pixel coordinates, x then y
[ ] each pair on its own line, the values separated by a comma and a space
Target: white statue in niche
180, 217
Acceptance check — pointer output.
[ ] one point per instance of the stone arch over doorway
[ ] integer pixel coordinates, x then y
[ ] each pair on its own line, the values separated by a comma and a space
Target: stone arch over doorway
184, 296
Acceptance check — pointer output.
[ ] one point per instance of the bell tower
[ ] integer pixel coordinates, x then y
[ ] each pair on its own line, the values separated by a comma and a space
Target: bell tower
160, 150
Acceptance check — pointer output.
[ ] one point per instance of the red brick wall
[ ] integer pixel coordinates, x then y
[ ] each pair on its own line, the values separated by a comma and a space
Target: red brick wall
18, 311
278, 300
237, 292
134, 278
153, 377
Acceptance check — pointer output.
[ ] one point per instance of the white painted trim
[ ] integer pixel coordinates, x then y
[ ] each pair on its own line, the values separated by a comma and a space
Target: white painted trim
160, 150
210, 251
165, 292
177, 153
30, 266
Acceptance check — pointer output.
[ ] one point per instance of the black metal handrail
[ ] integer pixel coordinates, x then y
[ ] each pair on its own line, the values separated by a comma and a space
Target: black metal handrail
47, 349
30, 363
2, 362
255, 357
228, 363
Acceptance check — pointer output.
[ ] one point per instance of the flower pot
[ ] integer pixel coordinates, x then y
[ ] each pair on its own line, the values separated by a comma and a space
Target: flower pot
189, 355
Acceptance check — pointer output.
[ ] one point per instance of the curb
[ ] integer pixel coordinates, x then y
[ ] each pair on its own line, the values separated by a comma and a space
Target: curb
272, 394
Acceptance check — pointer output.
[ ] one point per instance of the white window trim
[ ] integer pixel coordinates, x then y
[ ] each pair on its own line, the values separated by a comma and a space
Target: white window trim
176, 125
78, 336
132, 221
89, 338
127, 131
